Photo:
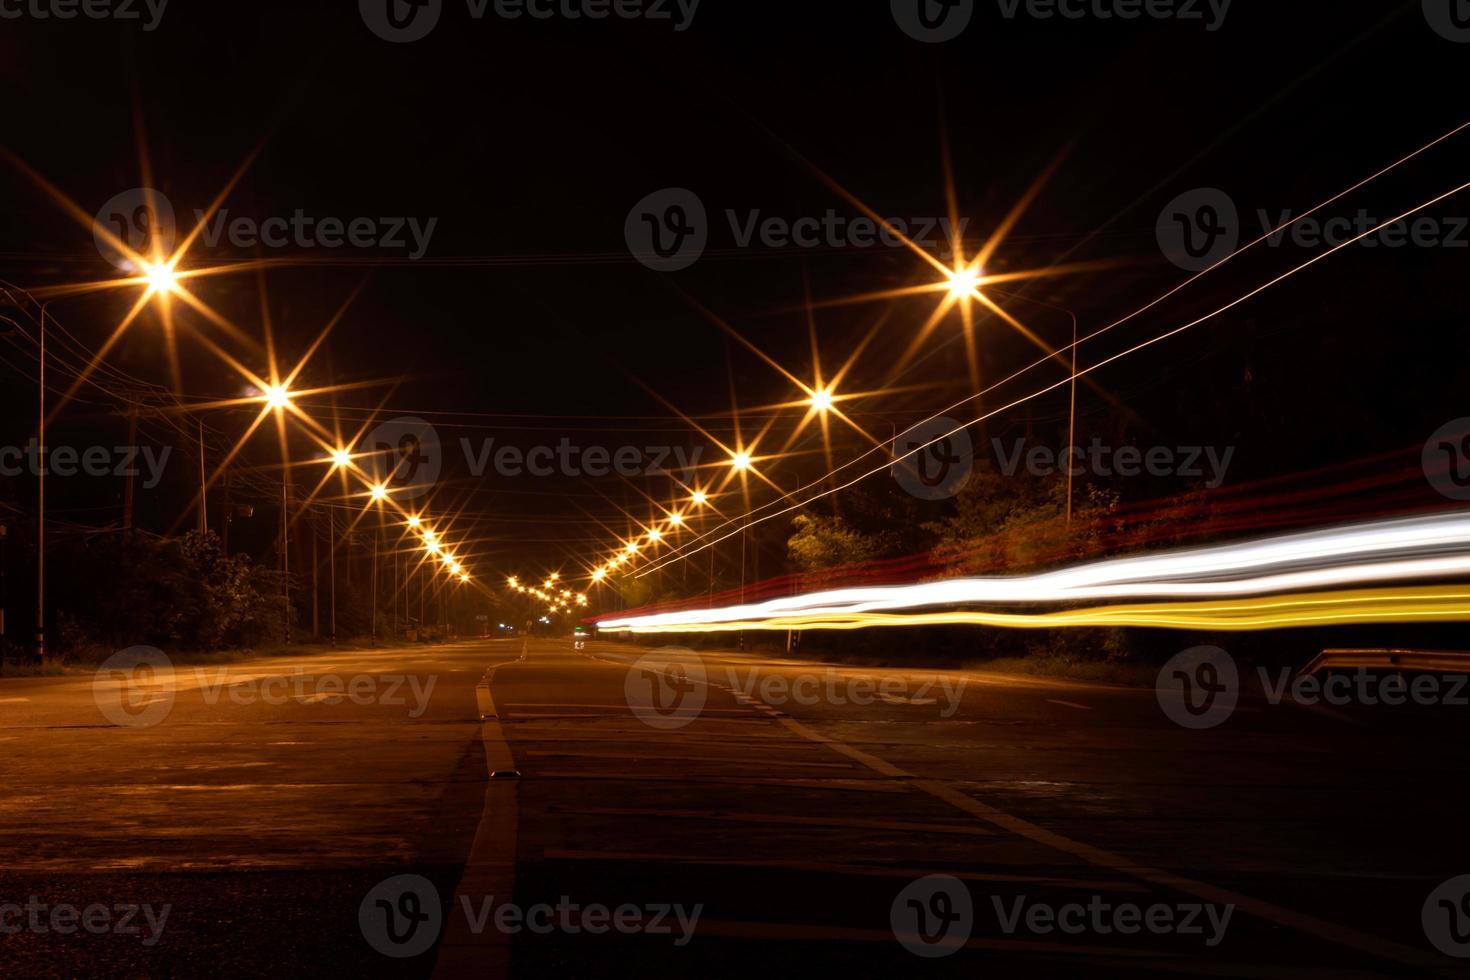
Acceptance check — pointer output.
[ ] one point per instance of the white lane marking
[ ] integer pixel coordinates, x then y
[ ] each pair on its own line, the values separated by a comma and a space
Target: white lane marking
1068, 704
900, 699
1300, 921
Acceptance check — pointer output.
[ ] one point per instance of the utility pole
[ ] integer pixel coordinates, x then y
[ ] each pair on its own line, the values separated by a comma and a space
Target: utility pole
41, 507
4, 531
332, 567
1072, 423
316, 618
203, 485
132, 471
286, 559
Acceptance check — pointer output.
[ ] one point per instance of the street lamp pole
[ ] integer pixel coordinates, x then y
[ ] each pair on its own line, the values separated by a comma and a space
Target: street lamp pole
1072, 421
332, 567
377, 544
41, 506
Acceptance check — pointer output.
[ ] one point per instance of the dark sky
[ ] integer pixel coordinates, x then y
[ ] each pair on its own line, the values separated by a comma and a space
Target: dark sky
529, 141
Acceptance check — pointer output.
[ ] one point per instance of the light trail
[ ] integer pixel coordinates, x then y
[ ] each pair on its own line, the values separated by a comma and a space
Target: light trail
750, 517
1441, 604
1415, 549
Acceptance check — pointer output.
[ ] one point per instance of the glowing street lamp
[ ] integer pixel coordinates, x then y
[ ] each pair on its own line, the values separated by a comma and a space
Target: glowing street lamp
655, 535
741, 461
277, 396
161, 277
821, 399
676, 519
962, 282
379, 493
414, 520
341, 458
699, 498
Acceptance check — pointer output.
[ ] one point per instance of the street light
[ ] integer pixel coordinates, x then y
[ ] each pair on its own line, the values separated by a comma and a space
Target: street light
821, 399
741, 461
380, 493
962, 282
699, 498
278, 397
161, 277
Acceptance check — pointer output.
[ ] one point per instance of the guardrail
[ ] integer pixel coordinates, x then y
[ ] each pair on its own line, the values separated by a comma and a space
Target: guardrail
1433, 661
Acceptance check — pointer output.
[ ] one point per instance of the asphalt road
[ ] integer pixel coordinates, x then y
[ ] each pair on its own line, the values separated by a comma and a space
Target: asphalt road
510, 808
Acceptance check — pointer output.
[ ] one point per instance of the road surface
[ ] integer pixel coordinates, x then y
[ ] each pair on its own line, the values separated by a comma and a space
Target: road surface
515, 807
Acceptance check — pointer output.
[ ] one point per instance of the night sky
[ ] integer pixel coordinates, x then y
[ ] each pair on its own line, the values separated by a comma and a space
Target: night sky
529, 141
